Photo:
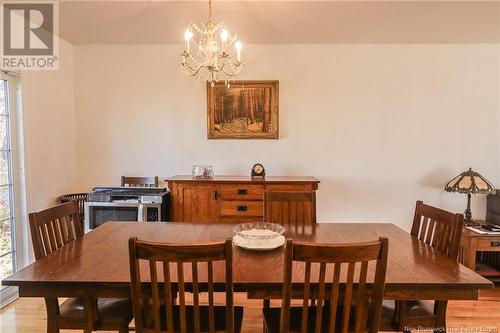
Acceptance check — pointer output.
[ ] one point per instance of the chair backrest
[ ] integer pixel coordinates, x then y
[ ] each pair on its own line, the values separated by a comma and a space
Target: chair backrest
54, 227
162, 258
438, 228
290, 207
140, 181
81, 198
350, 261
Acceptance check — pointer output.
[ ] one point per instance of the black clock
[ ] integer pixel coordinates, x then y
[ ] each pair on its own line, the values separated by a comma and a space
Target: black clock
258, 171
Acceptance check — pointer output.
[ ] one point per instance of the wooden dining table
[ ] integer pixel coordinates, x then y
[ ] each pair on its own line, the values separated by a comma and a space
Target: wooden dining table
97, 264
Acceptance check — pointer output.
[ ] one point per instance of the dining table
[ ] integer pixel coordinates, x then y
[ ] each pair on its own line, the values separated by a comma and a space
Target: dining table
97, 264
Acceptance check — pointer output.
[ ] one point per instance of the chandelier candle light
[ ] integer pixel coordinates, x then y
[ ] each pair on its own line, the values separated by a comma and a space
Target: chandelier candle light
209, 51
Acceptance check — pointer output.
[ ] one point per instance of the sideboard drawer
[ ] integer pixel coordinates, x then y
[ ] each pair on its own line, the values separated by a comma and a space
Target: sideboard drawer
241, 192
289, 187
489, 244
242, 208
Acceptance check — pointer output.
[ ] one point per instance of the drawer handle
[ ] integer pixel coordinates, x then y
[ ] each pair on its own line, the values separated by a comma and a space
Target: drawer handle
495, 243
242, 191
241, 208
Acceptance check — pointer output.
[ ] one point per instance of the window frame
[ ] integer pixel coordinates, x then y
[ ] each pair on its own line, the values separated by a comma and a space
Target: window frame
16, 181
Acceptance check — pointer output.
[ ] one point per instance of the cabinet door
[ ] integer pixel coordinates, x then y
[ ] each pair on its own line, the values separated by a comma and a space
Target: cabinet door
200, 203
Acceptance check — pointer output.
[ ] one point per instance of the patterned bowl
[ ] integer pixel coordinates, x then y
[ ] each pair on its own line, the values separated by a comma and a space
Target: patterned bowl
259, 230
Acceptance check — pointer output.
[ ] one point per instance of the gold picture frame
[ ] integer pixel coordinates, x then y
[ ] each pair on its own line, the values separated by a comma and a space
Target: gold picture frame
245, 110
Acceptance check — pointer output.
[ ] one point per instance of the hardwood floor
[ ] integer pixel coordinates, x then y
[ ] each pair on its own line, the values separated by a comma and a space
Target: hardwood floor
27, 315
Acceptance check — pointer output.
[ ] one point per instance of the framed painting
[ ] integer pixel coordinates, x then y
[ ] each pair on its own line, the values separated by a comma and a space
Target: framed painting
245, 110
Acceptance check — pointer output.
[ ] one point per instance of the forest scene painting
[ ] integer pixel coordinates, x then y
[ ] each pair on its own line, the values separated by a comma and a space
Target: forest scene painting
245, 110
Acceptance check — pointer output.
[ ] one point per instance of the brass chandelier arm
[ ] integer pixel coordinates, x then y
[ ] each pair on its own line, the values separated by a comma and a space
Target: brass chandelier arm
223, 70
191, 71
231, 74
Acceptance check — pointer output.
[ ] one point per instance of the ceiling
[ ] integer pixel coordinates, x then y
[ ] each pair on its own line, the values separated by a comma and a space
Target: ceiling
284, 22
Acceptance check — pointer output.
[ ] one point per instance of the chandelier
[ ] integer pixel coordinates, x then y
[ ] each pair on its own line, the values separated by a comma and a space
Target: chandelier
207, 54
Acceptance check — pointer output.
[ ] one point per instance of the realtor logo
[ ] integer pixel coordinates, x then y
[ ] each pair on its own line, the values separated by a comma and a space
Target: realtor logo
29, 40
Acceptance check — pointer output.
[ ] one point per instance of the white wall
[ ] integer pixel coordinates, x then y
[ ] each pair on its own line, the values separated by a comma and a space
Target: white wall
380, 125
49, 129
48, 114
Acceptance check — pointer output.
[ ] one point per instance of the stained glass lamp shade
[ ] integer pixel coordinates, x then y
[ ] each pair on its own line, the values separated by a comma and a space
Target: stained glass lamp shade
469, 182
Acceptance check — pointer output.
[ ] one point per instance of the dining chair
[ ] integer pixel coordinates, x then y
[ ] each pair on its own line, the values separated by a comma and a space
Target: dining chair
339, 307
139, 181
52, 229
81, 198
441, 230
154, 307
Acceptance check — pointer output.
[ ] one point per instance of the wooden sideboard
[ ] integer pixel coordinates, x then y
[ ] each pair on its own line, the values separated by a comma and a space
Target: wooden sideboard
229, 198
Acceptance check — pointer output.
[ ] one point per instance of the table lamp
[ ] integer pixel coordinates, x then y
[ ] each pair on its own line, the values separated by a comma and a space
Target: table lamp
469, 182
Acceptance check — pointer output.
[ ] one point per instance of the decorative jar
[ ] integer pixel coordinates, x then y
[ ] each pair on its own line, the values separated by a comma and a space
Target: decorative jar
203, 171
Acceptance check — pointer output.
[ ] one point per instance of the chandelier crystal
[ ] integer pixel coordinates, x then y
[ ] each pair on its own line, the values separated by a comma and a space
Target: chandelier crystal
207, 53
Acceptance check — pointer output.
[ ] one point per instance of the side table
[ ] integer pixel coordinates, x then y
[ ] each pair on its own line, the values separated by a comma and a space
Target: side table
481, 253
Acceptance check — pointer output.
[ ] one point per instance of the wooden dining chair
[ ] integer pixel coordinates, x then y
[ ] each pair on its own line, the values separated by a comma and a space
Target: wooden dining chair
339, 307
441, 230
154, 307
140, 181
80, 198
51, 229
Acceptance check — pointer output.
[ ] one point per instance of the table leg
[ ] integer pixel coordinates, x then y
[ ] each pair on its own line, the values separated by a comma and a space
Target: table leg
441, 315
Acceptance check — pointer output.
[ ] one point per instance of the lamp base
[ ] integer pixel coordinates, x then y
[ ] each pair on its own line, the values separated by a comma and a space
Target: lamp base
470, 223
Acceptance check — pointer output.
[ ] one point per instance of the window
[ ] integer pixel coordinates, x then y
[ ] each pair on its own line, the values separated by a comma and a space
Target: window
12, 194
7, 243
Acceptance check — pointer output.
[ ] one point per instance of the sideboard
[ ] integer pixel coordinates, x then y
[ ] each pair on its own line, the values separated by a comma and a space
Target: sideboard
229, 198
